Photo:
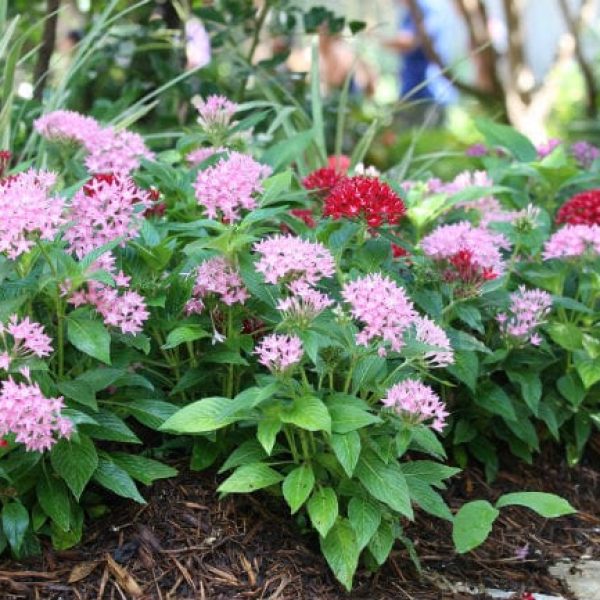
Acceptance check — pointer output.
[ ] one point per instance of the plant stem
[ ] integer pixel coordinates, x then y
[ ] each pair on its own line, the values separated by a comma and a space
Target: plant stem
349, 375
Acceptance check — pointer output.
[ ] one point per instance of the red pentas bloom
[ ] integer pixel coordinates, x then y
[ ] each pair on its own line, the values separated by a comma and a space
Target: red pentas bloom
323, 180
365, 198
5, 156
341, 163
399, 251
581, 209
463, 267
304, 215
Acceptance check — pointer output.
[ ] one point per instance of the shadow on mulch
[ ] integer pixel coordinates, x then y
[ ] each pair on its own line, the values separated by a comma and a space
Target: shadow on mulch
186, 544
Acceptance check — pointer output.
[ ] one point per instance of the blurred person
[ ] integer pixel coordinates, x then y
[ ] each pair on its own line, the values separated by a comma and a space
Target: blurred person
422, 83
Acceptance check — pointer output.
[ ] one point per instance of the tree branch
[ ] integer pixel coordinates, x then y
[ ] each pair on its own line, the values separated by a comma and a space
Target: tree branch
46, 49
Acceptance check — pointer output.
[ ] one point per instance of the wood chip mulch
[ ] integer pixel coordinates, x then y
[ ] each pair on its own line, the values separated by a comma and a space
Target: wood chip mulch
187, 544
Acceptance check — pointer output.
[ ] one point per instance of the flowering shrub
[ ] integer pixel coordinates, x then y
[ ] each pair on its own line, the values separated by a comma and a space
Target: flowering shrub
324, 337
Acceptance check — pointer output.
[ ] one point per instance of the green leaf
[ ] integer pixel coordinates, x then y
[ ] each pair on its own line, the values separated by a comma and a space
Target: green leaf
381, 543
507, 137
248, 452
365, 518
323, 510
570, 387
204, 454
367, 371
90, 337
531, 387
79, 391
429, 471
115, 479
183, 334
53, 496
297, 486
249, 478
495, 400
427, 498
346, 448
111, 428
268, 428
308, 412
386, 482
546, 505
15, 522
145, 470
285, 152
202, 416
75, 462
341, 552
587, 368
472, 525
465, 368
566, 335
150, 412
349, 418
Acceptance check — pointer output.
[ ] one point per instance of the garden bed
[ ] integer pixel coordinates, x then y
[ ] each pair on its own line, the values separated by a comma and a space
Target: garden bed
185, 543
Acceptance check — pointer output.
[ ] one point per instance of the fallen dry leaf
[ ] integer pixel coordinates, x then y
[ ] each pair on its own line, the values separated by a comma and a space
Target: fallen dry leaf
124, 579
82, 570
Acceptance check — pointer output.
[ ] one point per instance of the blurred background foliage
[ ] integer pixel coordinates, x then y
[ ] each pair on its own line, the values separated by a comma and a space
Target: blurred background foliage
125, 61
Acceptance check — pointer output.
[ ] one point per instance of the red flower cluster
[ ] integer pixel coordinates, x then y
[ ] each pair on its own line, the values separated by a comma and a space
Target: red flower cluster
463, 268
323, 180
365, 198
3, 444
399, 251
340, 163
581, 209
304, 215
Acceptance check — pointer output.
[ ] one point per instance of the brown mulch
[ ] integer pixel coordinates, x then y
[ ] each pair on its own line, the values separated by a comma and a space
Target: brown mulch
185, 543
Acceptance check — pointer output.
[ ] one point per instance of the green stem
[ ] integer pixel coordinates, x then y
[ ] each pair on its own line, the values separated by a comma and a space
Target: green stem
348, 381
230, 366
289, 434
60, 335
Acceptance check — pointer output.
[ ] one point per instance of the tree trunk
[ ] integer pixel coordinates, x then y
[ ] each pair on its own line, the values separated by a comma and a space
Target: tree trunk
46, 49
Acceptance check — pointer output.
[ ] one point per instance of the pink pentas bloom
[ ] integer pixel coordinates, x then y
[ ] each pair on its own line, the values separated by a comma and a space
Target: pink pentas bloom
28, 211
476, 150
383, 307
199, 155
287, 257
528, 310
27, 339
218, 277
105, 209
546, 148
428, 332
112, 151
67, 125
466, 180
417, 403
304, 303
230, 186
215, 111
485, 246
34, 420
585, 153
572, 241
279, 352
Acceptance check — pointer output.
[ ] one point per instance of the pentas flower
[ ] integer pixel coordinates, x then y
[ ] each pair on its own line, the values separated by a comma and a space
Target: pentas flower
546, 148
323, 180
585, 153
5, 157
399, 251
218, 277
104, 210
195, 157
116, 152
417, 403
476, 150
34, 420
68, 125
484, 246
365, 198
279, 352
465, 180
305, 215
215, 111
369, 171
581, 209
287, 257
230, 186
463, 268
382, 307
305, 303
28, 339
528, 310
427, 332
28, 211
572, 241
341, 163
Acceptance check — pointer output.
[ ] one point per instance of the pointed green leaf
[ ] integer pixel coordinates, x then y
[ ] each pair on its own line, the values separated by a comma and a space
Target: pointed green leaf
472, 525
323, 510
249, 478
341, 552
297, 486
365, 518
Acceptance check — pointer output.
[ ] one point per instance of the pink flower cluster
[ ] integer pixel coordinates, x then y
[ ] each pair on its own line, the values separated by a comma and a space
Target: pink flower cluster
388, 315
35, 420
28, 211
417, 403
219, 277
215, 111
546, 148
28, 339
199, 155
448, 240
108, 150
528, 310
230, 186
287, 257
585, 153
466, 180
305, 303
279, 352
572, 241
104, 210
